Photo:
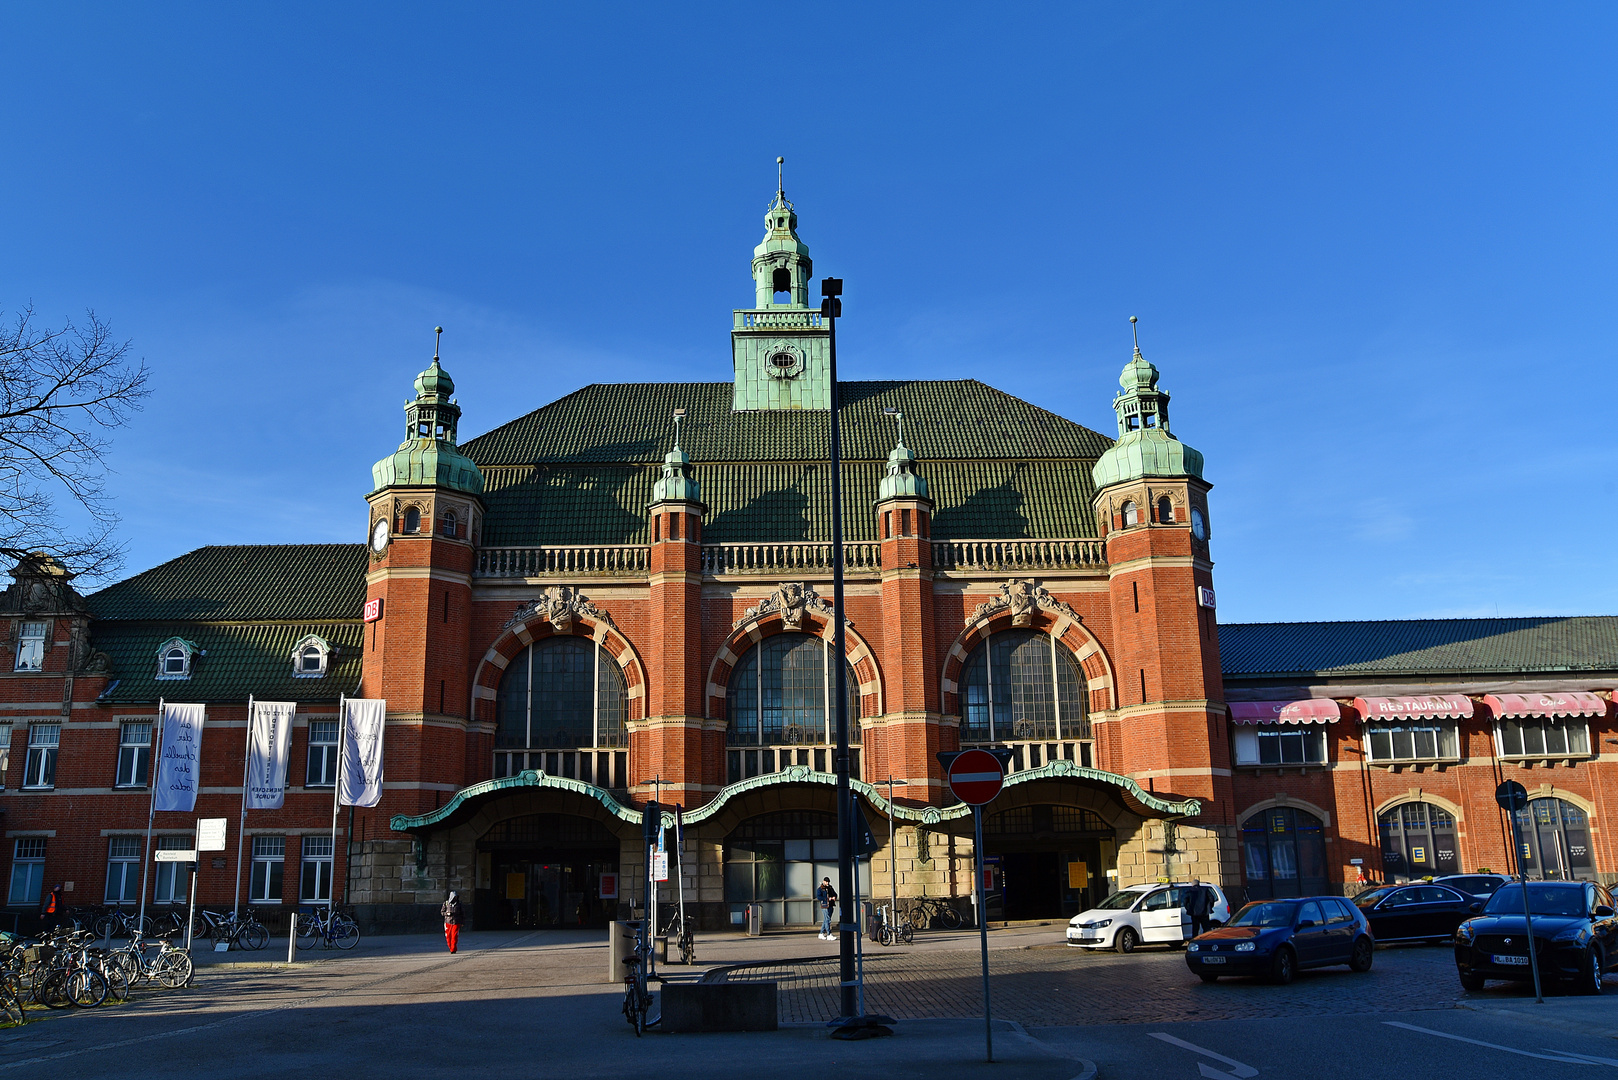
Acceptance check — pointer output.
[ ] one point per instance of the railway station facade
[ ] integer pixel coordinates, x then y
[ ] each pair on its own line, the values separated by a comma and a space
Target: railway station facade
625, 595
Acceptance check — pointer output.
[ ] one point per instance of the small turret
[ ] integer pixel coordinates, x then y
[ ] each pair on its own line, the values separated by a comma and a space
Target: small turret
901, 478
428, 457
1145, 446
676, 484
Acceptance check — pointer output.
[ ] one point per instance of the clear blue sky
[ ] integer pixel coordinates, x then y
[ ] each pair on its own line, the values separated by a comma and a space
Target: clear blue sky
1371, 246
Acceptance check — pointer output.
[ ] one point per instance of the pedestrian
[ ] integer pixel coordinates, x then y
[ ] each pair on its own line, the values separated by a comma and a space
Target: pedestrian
452, 921
1198, 903
47, 909
826, 896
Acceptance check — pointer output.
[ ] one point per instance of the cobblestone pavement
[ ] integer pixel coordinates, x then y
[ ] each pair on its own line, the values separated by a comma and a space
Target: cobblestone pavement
1055, 985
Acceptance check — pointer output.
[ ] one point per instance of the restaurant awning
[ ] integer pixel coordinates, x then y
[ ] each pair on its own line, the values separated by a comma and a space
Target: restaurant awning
1427, 707
1307, 711
1565, 703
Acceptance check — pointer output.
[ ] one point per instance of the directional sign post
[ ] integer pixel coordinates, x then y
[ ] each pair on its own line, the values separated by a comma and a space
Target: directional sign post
1513, 797
976, 777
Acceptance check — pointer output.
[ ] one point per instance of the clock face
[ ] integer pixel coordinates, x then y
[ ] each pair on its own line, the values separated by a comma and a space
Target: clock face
379, 537
1198, 528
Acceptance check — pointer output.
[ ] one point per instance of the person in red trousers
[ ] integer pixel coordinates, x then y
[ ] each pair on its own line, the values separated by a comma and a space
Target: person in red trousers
452, 921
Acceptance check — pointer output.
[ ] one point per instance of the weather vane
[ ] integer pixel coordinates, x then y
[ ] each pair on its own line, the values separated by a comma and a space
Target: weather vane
900, 417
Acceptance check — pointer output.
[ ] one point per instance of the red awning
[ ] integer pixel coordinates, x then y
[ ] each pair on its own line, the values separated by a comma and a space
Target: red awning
1564, 703
1308, 711
1431, 707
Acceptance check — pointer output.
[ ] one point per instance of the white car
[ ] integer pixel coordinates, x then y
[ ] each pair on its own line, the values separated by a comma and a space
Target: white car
1141, 914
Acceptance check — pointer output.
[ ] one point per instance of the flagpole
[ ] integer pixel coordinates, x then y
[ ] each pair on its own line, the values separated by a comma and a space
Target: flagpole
241, 830
336, 796
151, 812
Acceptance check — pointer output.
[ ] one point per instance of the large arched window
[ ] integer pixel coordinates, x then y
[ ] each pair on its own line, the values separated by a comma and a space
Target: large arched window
563, 692
1283, 854
1022, 685
1418, 840
1555, 838
778, 693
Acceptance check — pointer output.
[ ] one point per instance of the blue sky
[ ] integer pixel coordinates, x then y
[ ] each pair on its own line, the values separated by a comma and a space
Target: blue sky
1371, 246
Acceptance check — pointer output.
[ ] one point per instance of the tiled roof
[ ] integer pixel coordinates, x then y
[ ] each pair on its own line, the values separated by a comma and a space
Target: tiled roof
243, 583
241, 661
1420, 646
581, 469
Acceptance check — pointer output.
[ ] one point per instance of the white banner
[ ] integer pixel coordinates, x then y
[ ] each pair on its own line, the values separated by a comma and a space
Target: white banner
361, 782
269, 745
179, 762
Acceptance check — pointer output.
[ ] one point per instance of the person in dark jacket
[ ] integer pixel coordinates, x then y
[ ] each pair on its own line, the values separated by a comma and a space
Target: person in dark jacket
452, 921
1198, 901
826, 897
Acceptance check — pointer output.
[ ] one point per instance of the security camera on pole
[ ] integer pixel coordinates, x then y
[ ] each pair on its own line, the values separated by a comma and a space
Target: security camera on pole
976, 777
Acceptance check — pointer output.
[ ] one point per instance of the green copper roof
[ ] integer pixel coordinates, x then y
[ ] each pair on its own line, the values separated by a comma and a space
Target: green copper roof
290, 582
901, 477
427, 463
1145, 446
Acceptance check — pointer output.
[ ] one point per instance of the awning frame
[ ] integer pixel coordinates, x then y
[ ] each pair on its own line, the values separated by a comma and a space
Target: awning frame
1304, 711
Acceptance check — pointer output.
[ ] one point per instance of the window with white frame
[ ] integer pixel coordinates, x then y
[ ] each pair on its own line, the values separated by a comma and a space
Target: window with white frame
1413, 740
5, 753
27, 871
450, 523
322, 770
315, 880
1542, 736
174, 658
134, 754
40, 769
309, 658
269, 863
1280, 744
123, 870
169, 878
31, 646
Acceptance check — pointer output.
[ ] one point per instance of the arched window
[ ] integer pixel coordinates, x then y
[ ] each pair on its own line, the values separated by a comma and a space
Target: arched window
1283, 854
1022, 684
778, 693
563, 692
309, 658
1129, 514
1165, 511
1555, 836
412, 520
174, 659
449, 523
1418, 840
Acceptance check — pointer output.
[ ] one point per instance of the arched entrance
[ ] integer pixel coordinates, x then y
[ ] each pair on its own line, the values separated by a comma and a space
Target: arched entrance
1283, 853
1052, 860
1418, 840
1555, 839
545, 870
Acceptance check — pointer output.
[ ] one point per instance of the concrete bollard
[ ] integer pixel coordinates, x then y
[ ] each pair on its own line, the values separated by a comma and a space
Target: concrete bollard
292, 938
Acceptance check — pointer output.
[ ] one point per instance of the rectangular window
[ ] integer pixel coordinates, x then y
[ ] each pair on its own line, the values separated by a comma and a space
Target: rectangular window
5, 753
1539, 736
1413, 740
134, 755
43, 740
269, 863
27, 871
1277, 744
315, 880
123, 870
322, 754
31, 646
171, 879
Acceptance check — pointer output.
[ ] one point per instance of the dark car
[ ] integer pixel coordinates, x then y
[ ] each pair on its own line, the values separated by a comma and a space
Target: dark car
1479, 886
1575, 935
1274, 938
1415, 912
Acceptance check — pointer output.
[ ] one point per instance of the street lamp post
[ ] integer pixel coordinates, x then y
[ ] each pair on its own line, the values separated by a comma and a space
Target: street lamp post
893, 844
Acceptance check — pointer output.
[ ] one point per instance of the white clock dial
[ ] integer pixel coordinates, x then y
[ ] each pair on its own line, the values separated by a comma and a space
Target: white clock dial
379, 536
1198, 528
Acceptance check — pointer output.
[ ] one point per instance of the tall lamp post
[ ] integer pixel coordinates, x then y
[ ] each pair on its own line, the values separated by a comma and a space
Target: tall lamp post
893, 845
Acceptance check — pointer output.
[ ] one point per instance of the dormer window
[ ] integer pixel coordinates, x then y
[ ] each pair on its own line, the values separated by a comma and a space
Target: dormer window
174, 658
310, 657
412, 520
449, 524
1165, 511
1130, 515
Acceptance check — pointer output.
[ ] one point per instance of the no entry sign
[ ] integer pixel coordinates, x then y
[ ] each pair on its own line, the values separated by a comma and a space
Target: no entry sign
975, 776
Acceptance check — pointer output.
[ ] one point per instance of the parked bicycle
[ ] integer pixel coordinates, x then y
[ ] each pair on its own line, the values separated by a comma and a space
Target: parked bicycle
896, 928
637, 997
121, 923
682, 933
245, 931
934, 912
327, 926
169, 966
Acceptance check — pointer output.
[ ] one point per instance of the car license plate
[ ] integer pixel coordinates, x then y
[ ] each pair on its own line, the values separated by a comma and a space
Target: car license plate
1504, 959
1213, 959
1089, 937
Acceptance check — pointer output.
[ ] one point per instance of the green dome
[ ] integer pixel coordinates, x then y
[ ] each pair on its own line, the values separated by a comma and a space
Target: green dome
1146, 453
676, 484
435, 380
428, 463
901, 477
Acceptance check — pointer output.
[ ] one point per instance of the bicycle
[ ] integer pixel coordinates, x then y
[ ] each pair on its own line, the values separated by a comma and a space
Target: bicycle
246, 932
684, 937
171, 967
121, 923
637, 998
896, 929
935, 911
328, 926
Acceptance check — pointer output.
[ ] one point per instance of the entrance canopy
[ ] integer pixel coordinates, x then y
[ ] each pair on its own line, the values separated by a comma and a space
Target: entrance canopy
1307, 711
1565, 703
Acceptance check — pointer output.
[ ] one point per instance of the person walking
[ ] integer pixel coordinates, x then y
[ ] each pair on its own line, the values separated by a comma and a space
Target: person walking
826, 896
1198, 905
452, 921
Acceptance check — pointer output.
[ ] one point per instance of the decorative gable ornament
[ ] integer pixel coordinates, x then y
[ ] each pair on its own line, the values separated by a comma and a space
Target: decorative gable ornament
1022, 596
176, 656
790, 601
559, 605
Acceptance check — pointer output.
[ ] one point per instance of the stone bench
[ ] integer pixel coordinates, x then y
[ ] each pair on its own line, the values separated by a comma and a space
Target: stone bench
720, 1006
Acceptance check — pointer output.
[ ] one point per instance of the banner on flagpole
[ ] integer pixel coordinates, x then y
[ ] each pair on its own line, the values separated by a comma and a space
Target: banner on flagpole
361, 782
269, 745
179, 762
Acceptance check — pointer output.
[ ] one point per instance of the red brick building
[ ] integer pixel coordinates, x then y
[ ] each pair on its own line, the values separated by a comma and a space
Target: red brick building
625, 594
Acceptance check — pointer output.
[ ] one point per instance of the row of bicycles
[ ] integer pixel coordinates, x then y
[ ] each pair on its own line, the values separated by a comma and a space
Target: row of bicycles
323, 926
899, 928
65, 969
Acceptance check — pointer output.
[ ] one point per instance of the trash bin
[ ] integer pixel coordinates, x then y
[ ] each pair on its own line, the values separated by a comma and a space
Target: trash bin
755, 920
870, 920
620, 947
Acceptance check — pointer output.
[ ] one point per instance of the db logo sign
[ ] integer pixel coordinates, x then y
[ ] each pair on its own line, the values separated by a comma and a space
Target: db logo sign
373, 609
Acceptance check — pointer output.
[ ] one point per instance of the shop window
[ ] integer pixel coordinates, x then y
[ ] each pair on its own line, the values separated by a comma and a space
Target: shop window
778, 693
31, 646
1413, 740
1022, 685
1418, 840
1542, 736
269, 863
1555, 839
322, 770
170, 879
27, 871
314, 879
134, 755
123, 870
1283, 854
43, 742
561, 693
1279, 744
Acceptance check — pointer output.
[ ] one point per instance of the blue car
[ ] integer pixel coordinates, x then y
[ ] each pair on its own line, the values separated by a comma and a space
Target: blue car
1273, 939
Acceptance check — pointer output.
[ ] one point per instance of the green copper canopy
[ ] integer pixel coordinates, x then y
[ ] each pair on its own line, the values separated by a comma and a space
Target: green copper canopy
901, 477
1145, 446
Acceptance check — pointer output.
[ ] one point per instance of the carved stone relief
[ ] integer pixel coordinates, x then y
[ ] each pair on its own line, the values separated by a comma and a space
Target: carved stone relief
559, 605
790, 601
1022, 596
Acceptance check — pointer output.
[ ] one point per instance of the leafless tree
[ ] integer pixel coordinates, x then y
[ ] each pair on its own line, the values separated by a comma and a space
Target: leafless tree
62, 392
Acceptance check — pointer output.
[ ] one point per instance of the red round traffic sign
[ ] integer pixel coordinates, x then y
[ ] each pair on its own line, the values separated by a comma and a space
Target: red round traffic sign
976, 777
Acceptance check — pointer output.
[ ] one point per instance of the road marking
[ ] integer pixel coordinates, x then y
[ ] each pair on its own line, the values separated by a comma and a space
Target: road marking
1490, 1045
1237, 1068
1584, 1058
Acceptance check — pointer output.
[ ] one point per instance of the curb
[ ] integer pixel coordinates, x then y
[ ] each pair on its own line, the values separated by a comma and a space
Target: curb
1544, 1021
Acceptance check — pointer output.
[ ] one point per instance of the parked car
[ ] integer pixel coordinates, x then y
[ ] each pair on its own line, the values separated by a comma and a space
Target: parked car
1149, 914
1478, 886
1575, 935
1275, 938
1416, 912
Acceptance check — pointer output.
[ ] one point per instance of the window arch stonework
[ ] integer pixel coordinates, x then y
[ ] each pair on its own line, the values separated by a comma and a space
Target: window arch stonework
750, 632
516, 638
